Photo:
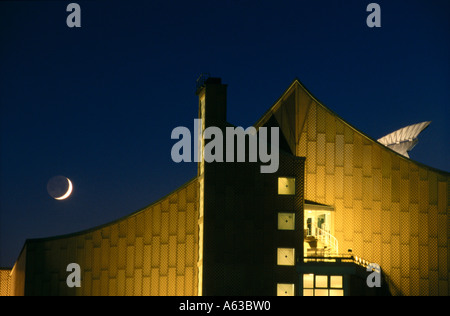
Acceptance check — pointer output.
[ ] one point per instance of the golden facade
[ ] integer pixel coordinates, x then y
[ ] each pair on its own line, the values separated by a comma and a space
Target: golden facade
389, 209
386, 208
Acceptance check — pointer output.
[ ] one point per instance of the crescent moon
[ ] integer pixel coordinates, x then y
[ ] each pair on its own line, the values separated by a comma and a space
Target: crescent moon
67, 194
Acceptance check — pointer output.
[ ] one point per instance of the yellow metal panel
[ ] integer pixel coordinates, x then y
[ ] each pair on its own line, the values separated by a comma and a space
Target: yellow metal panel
165, 227
130, 261
395, 251
112, 287
140, 221
386, 192
190, 245
179, 288
367, 160
301, 147
423, 229
433, 253
348, 159
357, 184
357, 151
377, 184
113, 262
154, 284
172, 282
423, 261
339, 183
386, 226
395, 219
443, 206
405, 222
131, 233
146, 286
330, 128
147, 257
181, 227
156, 251
321, 120
376, 156
443, 262
377, 221
414, 219
191, 218
442, 230
386, 166
395, 186
189, 281
122, 252
321, 149
105, 257
156, 221
329, 189
123, 226
348, 191
367, 192
173, 210
339, 161
104, 280
172, 251
137, 282
114, 239
312, 122
96, 262
163, 286
320, 189
311, 161
357, 216
330, 162
310, 186
164, 259
148, 226
348, 135
139, 253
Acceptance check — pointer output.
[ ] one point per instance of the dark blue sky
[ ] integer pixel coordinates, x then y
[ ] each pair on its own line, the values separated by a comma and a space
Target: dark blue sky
98, 103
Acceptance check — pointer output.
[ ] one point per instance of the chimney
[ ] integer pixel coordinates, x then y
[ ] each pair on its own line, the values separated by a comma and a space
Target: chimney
212, 96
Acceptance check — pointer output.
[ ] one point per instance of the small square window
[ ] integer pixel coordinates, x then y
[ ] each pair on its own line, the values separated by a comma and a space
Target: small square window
286, 186
320, 292
285, 289
286, 221
286, 256
308, 281
308, 292
336, 282
336, 292
321, 281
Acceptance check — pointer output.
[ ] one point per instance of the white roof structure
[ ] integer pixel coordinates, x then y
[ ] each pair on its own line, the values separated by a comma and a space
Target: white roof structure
404, 139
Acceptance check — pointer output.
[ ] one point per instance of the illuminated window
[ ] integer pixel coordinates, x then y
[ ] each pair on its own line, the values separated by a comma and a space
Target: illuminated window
286, 221
336, 281
286, 257
286, 186
322, 285
308, 281
322, 281
285, 289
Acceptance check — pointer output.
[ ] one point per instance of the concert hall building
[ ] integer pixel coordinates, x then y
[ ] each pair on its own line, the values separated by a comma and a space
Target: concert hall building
344, 214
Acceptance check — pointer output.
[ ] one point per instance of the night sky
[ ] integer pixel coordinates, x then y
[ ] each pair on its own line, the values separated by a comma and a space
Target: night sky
97, 104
